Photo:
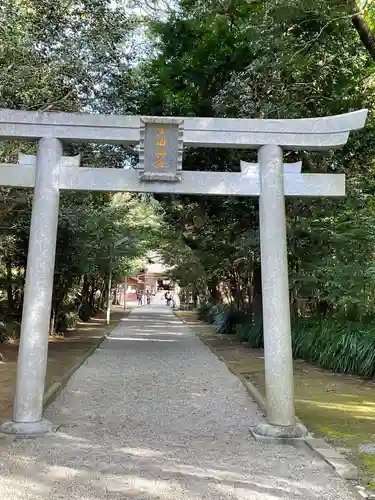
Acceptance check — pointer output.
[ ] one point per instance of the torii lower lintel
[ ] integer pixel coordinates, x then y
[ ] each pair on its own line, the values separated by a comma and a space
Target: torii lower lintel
192, 183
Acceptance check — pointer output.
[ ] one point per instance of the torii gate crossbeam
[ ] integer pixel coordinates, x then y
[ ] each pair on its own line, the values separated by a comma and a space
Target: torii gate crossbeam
306, 133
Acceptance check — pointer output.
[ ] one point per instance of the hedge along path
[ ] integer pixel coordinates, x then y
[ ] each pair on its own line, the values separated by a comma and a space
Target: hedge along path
338, 407
63, 354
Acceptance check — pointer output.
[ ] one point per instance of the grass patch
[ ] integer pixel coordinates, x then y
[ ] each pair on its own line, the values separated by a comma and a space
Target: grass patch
186, 314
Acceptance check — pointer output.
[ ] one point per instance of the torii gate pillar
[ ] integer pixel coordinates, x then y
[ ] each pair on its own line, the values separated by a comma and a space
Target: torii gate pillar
275, 299
36, 313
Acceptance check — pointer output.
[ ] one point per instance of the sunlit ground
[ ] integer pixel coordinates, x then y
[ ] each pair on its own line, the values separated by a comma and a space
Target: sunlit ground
191, 448
63, 353
339, 407
133, 472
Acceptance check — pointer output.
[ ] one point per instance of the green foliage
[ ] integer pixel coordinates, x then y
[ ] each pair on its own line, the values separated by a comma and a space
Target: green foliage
230, 58
344, 347
85, 311
66, 52
65, 56
269, 59
251, 333
66, 321
221, 319
334, 344
225, 318
11, 332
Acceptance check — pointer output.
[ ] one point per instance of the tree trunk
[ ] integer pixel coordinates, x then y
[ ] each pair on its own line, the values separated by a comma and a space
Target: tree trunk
62, 289
213, 288
54, 305
195, 300
85, 288
323, 307
103, 295
9, 285
237, 291
256, 305
366, 36
92, 294
53, 322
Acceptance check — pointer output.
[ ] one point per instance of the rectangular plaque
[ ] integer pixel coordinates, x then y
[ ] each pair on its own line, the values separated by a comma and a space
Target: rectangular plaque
161, 146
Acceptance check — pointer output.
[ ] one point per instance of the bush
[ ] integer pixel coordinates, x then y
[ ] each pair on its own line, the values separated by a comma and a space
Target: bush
336, 344
251, 333
221, 319
85, 311
204, 312
66, 320
10, 331
224, 317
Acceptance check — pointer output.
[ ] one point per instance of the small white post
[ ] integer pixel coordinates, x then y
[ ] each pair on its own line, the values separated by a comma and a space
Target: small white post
275, 297
36, 314
109, 298
125, 292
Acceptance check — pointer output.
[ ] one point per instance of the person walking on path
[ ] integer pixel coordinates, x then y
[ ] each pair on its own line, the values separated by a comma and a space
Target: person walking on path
168, 297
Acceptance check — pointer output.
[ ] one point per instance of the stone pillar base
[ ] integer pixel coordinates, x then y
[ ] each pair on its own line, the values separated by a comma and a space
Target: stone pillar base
279, 433
28, 429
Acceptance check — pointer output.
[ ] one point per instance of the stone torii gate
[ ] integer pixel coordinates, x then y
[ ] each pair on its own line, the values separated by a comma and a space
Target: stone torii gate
161, 142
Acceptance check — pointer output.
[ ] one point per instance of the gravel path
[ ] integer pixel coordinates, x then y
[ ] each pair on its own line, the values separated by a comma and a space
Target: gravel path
153, 414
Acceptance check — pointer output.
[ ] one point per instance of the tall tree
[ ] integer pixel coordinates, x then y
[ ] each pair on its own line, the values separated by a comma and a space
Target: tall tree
360, 10
270, 60
63, 56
